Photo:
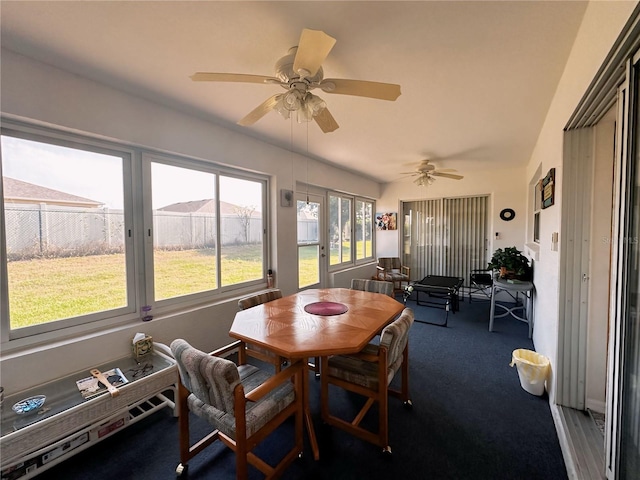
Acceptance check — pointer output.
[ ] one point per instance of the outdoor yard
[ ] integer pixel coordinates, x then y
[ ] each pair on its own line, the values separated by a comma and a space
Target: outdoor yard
43, 290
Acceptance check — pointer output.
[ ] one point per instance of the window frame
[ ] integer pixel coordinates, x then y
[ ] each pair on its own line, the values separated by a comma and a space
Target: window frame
211, 168
137, 211
353, 260
103, 317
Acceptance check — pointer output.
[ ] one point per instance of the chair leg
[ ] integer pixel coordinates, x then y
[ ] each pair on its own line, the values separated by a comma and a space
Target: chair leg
383, 403
241, 450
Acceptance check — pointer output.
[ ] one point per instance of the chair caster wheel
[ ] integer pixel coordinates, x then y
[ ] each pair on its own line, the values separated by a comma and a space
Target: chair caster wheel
181, 470
408, 405
300, 455
386, 451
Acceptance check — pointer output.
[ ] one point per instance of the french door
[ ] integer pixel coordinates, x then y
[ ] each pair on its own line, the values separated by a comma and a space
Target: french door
312, 265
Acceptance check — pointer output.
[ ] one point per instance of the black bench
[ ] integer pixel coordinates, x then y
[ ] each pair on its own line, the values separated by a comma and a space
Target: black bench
441, 292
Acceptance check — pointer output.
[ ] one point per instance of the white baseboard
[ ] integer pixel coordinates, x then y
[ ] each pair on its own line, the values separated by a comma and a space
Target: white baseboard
565, 444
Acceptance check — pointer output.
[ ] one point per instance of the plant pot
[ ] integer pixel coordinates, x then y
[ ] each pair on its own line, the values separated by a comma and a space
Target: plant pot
504, 273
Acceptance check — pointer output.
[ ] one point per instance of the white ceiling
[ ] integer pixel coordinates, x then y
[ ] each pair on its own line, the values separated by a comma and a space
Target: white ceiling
477, 77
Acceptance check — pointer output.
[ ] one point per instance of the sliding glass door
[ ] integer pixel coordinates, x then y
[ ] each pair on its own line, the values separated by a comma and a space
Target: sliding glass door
446, 236
623, 402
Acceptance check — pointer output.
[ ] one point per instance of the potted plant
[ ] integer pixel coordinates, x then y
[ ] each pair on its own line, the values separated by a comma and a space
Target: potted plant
511, 263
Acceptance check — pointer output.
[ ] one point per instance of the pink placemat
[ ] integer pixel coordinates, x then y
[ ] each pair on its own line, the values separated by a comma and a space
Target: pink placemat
326, 308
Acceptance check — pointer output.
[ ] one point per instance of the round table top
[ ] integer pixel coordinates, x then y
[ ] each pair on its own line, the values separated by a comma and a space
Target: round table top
514, 285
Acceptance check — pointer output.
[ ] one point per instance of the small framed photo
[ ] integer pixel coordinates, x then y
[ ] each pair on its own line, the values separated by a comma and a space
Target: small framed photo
386, 221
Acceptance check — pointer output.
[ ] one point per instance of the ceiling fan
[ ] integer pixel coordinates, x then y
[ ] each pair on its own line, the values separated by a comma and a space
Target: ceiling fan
299, 72
426, 172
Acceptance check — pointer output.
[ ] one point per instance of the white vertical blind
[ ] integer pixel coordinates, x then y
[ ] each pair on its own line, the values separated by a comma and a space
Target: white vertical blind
446, 236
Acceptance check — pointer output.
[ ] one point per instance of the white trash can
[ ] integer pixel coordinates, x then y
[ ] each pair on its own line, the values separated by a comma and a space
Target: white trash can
533, 369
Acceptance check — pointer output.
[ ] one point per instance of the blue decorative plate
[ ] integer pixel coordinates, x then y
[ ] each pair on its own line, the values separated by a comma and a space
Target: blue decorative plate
30, 404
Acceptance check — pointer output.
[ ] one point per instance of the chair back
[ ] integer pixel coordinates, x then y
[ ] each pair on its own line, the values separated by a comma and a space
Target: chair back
375, 286
395, 337
259, 298
211, 379
390, 263
481, 277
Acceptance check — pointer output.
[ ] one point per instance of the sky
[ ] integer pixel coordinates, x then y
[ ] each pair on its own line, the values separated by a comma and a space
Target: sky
98, 176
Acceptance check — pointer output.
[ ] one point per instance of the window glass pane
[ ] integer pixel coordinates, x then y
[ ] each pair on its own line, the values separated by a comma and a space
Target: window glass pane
368, 229
184, 230
65, 231
308, 265
308, 222
345, 229
364, 229
241, 227
308, 219
335, 240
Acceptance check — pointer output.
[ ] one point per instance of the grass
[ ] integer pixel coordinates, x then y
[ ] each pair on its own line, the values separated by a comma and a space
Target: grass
45, 290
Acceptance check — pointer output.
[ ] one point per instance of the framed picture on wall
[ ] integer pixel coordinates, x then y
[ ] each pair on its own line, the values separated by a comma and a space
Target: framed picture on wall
386, 221
548, 189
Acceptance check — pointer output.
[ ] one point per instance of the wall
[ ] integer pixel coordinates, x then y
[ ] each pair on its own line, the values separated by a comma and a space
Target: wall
42, 93
343, 278
498, 183
601, 25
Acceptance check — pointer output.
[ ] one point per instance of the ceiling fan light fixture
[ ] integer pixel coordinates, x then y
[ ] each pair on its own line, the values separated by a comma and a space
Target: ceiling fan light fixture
298, 72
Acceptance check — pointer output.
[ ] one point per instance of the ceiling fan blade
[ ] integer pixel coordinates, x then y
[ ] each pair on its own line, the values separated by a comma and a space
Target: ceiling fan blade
260, 111
231, 77
313, 48
447, 175
326, 122
361, 88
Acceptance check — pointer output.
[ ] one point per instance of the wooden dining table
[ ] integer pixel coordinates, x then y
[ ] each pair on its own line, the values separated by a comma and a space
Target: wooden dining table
316, 323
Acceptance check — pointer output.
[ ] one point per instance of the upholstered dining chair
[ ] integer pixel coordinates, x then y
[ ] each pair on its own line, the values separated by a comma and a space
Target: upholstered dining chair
375, 286
243, 404
369, 373
253, 301
390, 269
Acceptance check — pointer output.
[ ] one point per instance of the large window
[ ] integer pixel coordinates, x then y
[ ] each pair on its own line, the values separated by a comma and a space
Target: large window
66, 232
350, 241
79, 249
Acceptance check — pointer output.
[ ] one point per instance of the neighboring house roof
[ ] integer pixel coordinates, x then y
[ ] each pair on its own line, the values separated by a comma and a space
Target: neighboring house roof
17, 191
205, 206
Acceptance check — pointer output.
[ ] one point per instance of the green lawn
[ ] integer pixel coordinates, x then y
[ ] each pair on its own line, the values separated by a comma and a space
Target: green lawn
44, 290
49, 289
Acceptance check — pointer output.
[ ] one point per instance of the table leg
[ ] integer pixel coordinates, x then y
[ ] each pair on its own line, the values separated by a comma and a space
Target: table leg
307, 417
530, 312
493, 307
447, 306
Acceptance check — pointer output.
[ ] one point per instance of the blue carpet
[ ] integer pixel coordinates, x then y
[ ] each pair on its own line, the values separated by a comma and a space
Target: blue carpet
470, 420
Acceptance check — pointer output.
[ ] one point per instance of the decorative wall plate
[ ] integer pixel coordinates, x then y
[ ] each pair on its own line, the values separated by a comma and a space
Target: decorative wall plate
507, 214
